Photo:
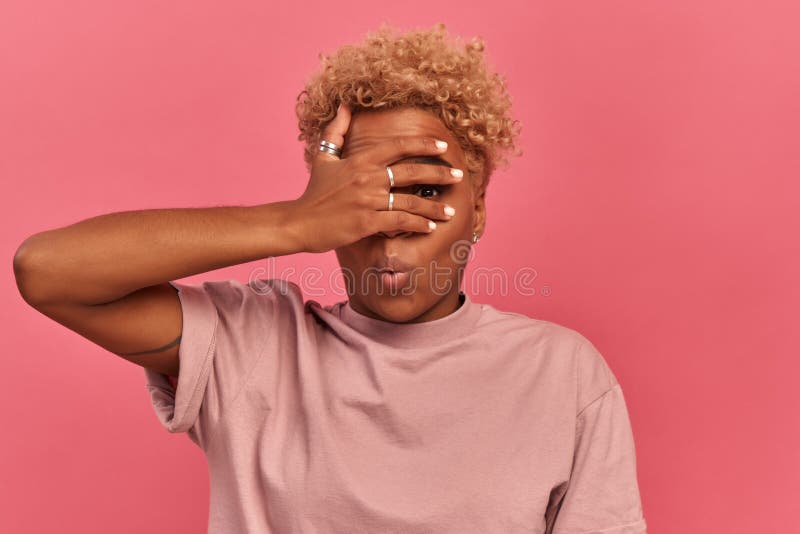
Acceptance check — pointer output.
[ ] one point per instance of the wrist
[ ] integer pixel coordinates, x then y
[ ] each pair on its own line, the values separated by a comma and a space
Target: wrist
283, 227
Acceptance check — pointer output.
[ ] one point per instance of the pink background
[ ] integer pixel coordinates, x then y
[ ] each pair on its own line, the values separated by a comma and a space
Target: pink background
657, 200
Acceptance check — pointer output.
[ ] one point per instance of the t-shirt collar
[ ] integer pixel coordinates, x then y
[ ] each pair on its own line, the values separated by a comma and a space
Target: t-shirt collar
415, 335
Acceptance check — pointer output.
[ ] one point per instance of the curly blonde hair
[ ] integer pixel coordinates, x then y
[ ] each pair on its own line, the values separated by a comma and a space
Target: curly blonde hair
424, 69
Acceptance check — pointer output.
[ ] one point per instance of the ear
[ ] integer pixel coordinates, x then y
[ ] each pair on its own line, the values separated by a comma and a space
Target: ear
479, 210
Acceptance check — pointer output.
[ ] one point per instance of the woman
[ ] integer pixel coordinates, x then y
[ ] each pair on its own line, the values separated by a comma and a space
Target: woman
406, 408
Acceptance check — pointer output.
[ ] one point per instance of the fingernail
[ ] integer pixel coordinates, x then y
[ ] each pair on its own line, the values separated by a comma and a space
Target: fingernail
458, 173
441, 145
431, 225
450, 210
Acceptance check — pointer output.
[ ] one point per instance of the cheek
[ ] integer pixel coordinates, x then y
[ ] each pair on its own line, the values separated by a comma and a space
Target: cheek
452, 237
350, 257
462, 220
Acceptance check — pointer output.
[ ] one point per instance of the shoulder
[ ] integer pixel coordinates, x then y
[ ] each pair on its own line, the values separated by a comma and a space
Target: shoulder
590, 370
556, 335
234, 303
233, 292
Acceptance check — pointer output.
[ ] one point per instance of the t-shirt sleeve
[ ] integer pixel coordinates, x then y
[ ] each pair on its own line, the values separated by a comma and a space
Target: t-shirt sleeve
602, 494
225, 328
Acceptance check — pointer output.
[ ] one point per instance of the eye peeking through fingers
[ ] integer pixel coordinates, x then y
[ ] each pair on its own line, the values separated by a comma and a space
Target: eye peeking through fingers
428, 190
423, 190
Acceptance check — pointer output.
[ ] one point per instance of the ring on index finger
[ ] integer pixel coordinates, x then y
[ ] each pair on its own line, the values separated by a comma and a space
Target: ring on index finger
330, 148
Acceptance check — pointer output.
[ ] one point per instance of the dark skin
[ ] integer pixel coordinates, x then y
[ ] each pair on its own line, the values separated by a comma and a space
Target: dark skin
434, 295
118, 295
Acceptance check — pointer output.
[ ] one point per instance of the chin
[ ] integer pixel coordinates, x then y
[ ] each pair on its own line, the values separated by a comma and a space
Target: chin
396, 308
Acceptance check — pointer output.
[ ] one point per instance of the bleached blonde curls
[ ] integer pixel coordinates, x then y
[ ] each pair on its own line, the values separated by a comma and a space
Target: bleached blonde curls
423, 68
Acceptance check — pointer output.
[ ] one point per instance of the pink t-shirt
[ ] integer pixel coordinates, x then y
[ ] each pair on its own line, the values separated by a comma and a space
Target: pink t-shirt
318, 419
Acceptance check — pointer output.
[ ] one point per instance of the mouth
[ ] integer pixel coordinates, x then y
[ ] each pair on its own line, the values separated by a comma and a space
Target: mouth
392, 264
393, 280
393, 273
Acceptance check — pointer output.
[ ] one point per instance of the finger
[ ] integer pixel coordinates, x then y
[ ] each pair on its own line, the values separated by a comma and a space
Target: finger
424, 173
424, 207
335, 131
401, 147
392, 221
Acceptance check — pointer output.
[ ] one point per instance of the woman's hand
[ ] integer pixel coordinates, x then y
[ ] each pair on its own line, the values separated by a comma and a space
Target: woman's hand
348, 199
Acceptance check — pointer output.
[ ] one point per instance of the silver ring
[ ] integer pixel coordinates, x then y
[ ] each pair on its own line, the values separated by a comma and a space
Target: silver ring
391, 176
391, 200
330, 148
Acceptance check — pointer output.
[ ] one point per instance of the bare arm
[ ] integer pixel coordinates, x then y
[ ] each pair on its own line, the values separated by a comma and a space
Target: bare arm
106, 277
107, 257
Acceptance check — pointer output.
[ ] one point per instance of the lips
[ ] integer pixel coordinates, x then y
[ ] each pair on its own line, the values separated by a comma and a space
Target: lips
393, 272
394, 281
392, 264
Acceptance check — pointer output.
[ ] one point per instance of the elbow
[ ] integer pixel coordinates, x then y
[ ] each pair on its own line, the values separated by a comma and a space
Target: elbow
25, 262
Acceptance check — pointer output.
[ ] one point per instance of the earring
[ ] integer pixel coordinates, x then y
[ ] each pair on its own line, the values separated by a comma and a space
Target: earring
475, 237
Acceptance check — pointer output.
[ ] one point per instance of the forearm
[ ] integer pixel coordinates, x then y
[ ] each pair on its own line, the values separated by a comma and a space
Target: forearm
103, 258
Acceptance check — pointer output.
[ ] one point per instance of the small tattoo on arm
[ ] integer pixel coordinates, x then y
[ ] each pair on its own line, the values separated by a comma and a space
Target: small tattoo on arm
165, 347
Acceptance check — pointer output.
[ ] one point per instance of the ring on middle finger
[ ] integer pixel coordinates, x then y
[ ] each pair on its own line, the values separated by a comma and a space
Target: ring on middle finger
391, 176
